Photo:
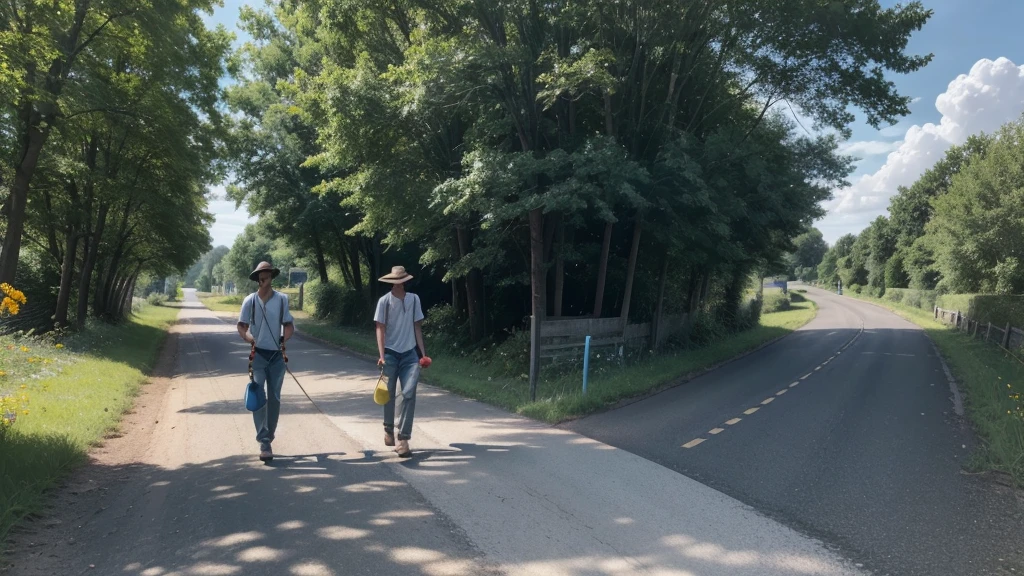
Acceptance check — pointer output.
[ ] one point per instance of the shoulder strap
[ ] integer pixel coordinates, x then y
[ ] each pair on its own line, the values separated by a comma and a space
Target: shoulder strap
252, 309
387, 309
282, 311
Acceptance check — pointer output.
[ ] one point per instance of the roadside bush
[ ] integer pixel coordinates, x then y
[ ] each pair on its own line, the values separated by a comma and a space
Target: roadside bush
706, 329
798, 296
512, 357
894, 295
775, 302
855, 288
444, 328
325, 297
156, 298
339, 305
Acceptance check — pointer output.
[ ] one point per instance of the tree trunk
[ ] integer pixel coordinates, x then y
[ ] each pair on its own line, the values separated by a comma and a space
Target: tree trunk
537, 281
89, 256
696, 282
474, 289
602, 271
31, 146
659, 310
631, 270
357, 272
559, 269
67, 272
321, 262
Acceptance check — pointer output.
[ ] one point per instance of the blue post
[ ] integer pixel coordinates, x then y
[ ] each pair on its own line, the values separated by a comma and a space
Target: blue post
586, 363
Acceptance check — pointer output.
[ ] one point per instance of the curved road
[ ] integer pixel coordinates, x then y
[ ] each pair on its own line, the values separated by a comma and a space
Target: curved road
856, 463
845, 430
485, 491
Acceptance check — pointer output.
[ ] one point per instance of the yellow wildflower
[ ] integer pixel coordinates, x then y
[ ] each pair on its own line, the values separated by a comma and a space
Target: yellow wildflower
59, 346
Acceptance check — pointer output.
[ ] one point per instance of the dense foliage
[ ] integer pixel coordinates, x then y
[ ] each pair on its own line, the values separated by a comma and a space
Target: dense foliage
958, 229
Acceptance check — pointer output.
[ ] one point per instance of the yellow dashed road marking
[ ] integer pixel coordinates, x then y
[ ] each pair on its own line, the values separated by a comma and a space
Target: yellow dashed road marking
781, 392
693, 443
751, 411
734, 421
767, 401
716, 430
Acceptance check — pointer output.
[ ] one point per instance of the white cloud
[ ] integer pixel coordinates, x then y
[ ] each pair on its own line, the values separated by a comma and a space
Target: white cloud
865, 148
229, 220
991, 95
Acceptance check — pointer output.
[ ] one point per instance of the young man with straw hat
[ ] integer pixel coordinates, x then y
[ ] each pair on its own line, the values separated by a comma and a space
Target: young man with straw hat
265, 323
399, 319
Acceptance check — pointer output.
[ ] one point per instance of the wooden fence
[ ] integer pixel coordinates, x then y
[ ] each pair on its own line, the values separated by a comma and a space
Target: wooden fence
564, 338
1008, 337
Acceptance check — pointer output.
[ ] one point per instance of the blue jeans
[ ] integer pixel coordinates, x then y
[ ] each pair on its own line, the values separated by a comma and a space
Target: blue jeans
268, 369
403, 366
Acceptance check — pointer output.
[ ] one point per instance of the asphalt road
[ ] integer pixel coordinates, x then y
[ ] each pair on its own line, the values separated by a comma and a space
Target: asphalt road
854, 440
485, 491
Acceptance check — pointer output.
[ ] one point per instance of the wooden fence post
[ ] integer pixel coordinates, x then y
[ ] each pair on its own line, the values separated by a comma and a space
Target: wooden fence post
1006, 336
935, 310
974, 330
988, 331
301, 293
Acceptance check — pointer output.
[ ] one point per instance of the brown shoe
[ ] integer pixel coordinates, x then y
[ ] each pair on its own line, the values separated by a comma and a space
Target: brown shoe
403, 449
266, 454
389, 438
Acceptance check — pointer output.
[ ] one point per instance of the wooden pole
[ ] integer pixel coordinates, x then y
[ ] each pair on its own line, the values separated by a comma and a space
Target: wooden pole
988, 331
1006, 336
302, 291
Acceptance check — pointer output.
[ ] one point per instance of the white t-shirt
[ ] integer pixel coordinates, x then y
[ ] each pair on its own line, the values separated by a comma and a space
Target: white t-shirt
265, 339
400, 316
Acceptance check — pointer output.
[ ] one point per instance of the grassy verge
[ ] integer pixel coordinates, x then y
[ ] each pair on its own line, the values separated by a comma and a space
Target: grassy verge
989, 378
69, 395
233, 303
479, 375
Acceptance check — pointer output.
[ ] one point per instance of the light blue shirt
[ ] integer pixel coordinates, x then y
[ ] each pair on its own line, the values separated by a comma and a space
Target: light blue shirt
265, 316
401, 316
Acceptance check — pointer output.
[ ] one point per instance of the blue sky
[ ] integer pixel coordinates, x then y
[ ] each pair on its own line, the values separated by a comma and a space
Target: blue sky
972, 95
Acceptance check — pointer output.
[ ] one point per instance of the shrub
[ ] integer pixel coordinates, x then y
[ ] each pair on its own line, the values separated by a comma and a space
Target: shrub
326, 298
855, 288
775, 302
706, 329
445, 328
512, 356
894, 295
156, 298
752, 313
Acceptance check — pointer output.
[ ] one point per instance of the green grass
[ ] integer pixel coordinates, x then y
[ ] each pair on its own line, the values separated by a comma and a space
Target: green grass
233, 303
76, 395
482, 375
216, 303
988, 376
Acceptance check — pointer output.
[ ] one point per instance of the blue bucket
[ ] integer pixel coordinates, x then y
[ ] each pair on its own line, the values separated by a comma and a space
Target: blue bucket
255, 396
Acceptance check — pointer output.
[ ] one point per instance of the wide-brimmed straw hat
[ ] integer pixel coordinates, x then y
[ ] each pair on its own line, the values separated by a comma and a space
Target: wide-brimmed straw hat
260, 268
398, 276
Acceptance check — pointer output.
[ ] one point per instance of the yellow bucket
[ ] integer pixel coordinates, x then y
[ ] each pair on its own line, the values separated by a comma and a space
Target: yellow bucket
380, 393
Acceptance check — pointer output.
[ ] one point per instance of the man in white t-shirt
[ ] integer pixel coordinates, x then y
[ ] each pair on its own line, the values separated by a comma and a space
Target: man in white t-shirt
399, 319
265, 323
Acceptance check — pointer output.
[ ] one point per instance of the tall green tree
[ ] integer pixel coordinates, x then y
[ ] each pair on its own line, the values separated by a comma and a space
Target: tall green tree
978, 225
